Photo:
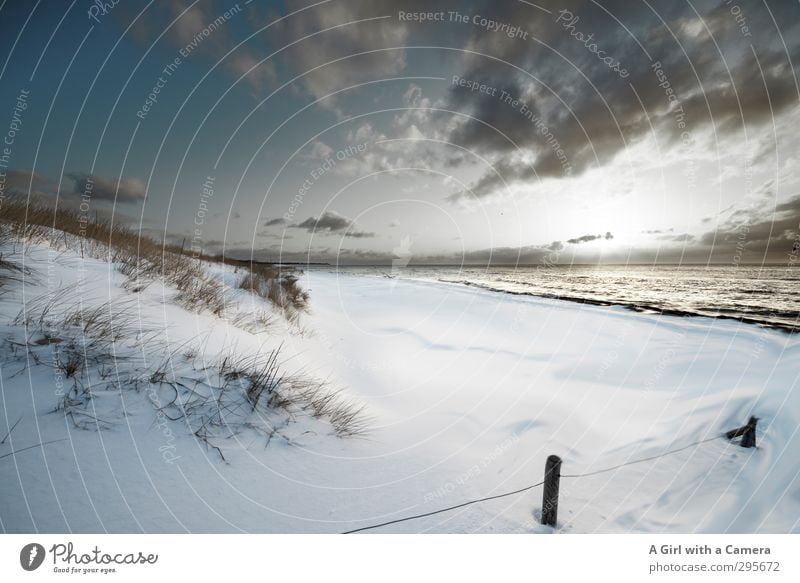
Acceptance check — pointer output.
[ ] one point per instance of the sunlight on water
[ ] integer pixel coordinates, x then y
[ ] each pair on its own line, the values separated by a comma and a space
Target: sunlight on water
760, 295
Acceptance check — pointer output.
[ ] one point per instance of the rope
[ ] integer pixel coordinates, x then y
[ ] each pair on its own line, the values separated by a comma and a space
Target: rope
645, 459
444, 509
526, 488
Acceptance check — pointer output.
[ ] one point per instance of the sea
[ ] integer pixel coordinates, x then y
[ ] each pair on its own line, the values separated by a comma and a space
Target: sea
767, 296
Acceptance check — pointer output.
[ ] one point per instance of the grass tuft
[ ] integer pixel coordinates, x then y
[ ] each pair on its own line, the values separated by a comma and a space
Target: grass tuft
82, 337
143, 259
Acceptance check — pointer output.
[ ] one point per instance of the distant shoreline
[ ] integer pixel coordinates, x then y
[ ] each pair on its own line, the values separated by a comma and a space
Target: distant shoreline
535, 265
642, 308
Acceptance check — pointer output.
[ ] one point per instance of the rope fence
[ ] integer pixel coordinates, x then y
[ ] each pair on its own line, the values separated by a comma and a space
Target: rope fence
553, 474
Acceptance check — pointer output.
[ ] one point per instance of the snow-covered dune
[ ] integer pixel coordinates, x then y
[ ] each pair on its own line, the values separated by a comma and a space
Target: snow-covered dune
473, 389
467, 392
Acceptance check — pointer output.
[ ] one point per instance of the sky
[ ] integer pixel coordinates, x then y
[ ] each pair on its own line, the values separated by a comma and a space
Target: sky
436, 132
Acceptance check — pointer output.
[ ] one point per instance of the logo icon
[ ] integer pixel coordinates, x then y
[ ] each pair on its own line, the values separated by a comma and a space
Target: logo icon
402, 254
31, 556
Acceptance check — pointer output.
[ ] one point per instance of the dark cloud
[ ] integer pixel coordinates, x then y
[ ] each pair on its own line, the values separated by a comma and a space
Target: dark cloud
97, 187
274, 222
332, 222
591, 113
583, 239
267, 234
529, 254
277, 252
588, 238
328, 221
25, 182
22, 182
791, 206
761, 232
758, 230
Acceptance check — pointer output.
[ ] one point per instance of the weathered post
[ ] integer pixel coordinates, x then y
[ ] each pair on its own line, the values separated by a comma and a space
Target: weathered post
552, 476
746, 432
749, 436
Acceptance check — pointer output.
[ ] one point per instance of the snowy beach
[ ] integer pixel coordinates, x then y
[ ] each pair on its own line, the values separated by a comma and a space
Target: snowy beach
465, 393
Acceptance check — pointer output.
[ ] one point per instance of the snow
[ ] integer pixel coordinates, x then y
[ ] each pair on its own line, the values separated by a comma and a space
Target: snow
467, 392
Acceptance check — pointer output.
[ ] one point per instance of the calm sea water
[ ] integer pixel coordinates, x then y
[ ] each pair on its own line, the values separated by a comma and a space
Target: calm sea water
766, 296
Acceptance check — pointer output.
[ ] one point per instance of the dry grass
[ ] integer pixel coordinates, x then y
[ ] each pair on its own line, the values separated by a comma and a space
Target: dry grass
69, 364
143, 259
259, 378
347, 417
266, 388
236, 393
10, 270
215, 402
278, 285
103, 324
256, 321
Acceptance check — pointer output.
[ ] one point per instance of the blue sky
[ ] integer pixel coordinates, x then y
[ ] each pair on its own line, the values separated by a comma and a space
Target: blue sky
341, 130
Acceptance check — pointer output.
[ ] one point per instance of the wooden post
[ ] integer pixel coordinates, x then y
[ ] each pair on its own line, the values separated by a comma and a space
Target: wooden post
749, 436
746, 432
552, 476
